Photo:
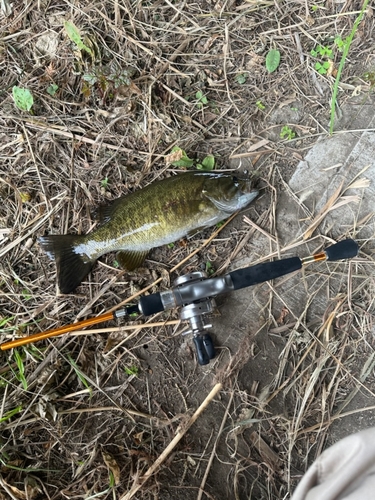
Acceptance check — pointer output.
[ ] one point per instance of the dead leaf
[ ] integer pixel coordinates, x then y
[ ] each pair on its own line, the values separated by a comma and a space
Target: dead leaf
30, 492
284, 313
267, 454
138, 438
175, 156
112, 466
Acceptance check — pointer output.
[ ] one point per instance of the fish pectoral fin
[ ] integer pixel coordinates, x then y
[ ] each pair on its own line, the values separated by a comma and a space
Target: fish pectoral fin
130, 260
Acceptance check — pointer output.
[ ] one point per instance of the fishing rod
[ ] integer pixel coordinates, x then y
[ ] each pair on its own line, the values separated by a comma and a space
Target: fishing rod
194, 293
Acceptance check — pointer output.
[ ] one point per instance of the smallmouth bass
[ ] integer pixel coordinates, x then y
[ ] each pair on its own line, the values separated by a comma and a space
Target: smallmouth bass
161, 213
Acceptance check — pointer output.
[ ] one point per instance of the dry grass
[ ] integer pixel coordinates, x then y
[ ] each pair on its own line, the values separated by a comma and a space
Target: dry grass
94, 416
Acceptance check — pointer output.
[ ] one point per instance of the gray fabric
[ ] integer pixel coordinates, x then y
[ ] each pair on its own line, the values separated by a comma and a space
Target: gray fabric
345, 471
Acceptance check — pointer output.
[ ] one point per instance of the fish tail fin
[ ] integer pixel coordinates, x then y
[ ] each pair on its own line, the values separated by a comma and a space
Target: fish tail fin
72, 266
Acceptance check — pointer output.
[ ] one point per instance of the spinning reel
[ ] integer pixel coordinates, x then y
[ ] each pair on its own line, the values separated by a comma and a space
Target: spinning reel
194, 313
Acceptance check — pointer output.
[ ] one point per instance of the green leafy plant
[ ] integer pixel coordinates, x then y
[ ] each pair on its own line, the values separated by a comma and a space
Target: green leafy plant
106, 80
52, 89
182, 159
322, 51
322, 68
241, 78
209, 268
260, 105
74, 34
23, 98
179, 158
208, 163
132, 370
26, 294
202, 99
272, 60
287, 133
170, 245
104, 183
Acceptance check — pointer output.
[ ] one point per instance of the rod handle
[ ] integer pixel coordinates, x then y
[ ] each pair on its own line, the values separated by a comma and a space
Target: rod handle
259, 273
345, 249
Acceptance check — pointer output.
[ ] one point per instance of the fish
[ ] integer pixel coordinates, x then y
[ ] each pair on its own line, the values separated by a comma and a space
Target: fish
161, 213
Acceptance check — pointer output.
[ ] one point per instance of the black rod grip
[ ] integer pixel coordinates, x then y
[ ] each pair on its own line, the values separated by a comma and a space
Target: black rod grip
345, 249
263, 272
150, 304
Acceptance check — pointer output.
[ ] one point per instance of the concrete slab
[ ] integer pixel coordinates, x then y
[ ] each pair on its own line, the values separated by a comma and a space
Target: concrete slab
335, 162
309, 298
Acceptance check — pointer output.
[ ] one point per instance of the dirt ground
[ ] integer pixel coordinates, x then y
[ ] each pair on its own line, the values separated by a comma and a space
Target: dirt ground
94, 414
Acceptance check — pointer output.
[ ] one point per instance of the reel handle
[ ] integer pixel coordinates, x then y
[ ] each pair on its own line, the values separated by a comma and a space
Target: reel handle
205, 348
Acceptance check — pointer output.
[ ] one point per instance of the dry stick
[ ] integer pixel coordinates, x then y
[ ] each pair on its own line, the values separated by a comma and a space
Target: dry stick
135, 413
204, 479
225, 53
7, 489
180, 434
333, 202
37, 225
55, 129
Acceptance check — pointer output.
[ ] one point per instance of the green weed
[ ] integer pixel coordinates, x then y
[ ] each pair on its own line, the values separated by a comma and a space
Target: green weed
20, 374
132, 370
23, 98
241, 78
106, 79
345, 51
4, 321
287, 133
322, 51
79, 373
182, 159
74, 34
201, 98
52, 89
179, 158
208, 163
104, 183
272, 60
260, 105
9, 414
209, 268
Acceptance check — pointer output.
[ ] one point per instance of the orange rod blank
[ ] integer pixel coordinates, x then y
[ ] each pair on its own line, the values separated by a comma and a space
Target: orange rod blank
57, 331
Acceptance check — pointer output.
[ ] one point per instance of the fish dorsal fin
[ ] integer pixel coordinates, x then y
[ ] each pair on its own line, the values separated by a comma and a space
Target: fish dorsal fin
130, 260
104, 213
